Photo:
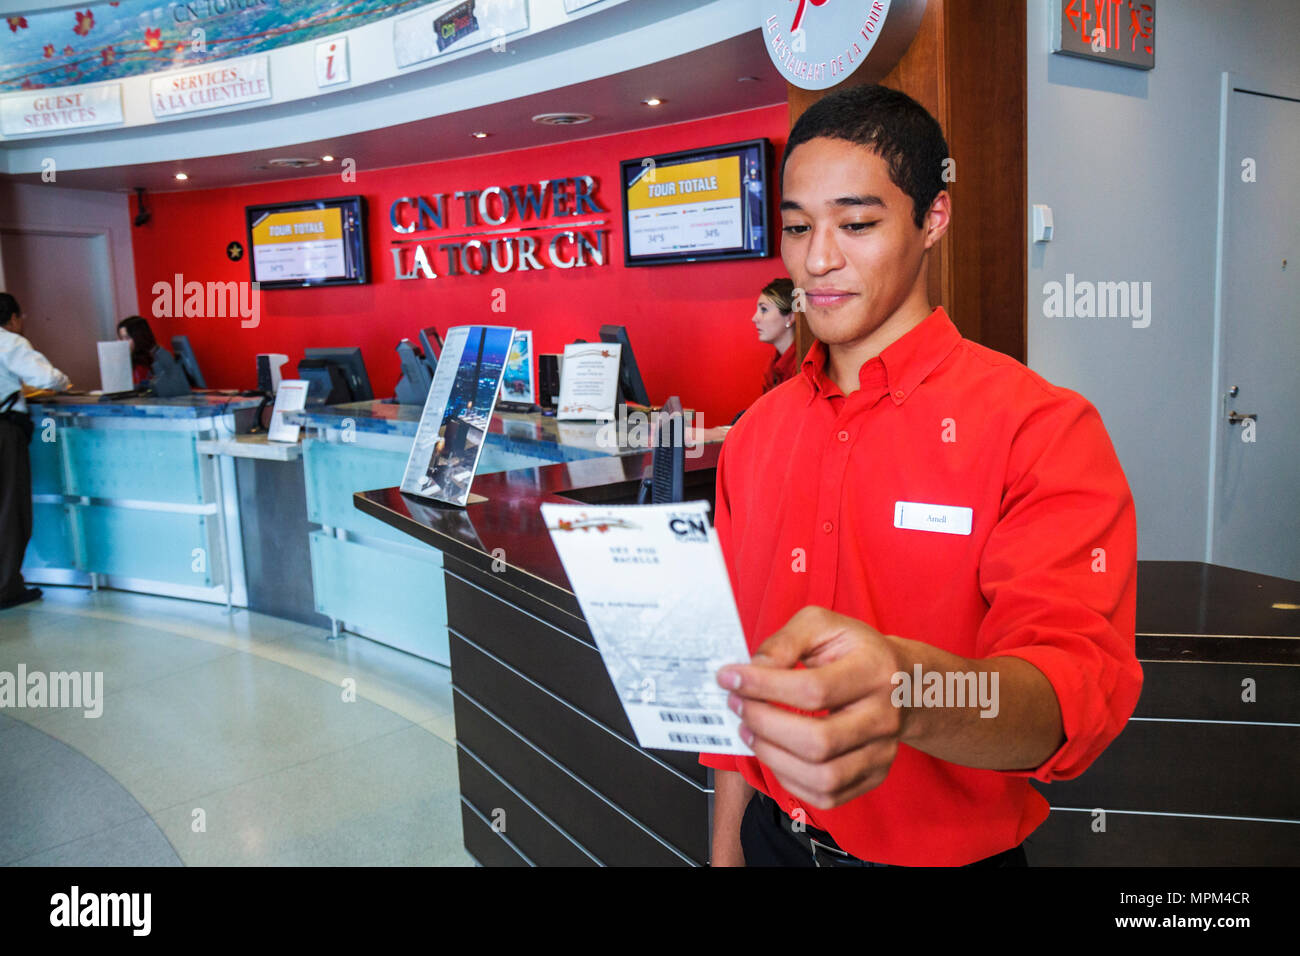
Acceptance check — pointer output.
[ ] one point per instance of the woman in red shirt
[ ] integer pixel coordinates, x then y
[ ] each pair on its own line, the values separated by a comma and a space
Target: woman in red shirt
774, 319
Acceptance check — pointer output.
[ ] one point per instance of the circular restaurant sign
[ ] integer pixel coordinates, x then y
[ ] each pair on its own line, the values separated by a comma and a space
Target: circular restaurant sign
818, 43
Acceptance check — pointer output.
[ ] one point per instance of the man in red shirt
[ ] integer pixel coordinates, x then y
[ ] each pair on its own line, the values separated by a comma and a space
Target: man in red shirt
933, 549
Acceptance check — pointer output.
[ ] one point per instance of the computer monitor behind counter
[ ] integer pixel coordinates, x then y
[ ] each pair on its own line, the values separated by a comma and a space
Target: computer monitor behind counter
417, 375
432, 343
630, 386
667, 479
336, 376
188, 362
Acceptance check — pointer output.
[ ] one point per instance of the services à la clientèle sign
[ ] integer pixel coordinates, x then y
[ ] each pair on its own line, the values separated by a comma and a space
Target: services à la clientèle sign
498, 236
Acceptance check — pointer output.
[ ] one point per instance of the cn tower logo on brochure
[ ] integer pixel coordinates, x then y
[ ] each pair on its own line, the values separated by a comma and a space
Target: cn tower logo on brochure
688, 527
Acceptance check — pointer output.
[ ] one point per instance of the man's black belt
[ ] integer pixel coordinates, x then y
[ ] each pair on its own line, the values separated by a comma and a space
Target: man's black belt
826, 852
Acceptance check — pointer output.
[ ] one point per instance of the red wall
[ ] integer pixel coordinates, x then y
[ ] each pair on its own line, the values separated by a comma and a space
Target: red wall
689, 324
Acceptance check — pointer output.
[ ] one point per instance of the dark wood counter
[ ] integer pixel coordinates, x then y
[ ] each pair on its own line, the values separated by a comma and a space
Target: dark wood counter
544, 749
1201, 776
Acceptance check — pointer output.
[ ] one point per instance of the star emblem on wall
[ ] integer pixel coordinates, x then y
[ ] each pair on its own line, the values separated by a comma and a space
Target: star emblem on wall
234, 252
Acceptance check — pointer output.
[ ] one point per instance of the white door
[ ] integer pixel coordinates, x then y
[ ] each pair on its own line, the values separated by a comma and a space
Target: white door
1255, 518
65, 287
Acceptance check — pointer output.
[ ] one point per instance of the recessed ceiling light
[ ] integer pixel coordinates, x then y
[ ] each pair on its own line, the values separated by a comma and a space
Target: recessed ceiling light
292, 162
327, 158
182, 176
653, 101
746, 79
479, 135
562, 119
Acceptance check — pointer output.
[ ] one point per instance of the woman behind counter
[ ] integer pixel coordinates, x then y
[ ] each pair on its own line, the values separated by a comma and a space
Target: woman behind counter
144, 346
774, 319
152, 365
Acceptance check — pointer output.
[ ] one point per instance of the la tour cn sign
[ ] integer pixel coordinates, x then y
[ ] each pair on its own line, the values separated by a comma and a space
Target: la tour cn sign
500, 229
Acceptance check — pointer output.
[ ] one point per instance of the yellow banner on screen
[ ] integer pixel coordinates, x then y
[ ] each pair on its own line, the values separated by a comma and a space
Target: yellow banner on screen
299, 226
686, 183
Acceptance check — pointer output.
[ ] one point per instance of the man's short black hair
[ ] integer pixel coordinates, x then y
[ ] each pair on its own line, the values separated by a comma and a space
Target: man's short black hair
8, 308
893, 125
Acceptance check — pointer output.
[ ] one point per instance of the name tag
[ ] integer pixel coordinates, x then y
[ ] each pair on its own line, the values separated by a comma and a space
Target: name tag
947, 519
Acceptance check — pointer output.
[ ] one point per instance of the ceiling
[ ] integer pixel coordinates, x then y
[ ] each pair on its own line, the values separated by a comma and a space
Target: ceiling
726, 77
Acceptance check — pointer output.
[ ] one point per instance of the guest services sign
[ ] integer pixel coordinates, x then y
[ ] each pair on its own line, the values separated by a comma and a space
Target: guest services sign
227, 83
57, 111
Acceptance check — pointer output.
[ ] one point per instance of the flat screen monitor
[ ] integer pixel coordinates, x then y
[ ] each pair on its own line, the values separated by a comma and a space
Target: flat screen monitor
698, 205
315, 242
326, 382
667, 479
630, 386
185, 356
168, 379
353, 366
417, 377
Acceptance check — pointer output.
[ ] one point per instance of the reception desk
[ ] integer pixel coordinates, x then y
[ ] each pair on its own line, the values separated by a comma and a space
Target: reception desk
550, 772
166, 496
122, 497
368, 577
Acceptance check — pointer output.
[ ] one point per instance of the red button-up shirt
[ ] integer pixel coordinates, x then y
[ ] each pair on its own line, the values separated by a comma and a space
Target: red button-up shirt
785, 365
808, 483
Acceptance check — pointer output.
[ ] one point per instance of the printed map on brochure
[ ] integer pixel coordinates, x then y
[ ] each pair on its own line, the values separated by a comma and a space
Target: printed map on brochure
653, 587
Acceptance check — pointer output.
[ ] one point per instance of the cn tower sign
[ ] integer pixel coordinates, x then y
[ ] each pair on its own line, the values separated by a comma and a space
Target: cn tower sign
816, 44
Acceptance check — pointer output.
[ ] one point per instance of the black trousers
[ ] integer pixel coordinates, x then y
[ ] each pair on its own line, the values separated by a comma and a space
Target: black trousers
765, 843
15, 506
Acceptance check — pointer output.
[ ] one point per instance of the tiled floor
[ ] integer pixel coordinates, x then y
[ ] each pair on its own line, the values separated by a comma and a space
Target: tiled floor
224, 739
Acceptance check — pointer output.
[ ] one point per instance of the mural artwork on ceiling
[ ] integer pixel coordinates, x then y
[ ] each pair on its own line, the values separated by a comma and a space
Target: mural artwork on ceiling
109, 41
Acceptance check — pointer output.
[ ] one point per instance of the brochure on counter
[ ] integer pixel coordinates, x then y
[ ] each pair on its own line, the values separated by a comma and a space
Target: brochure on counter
653, 587
454, 424
518, 385
291, 396
589, 381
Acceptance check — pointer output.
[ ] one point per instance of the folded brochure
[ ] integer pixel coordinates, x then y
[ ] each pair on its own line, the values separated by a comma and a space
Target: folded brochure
653, 587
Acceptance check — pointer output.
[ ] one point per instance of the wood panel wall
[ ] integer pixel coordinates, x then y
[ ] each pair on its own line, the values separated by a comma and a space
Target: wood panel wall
967, 66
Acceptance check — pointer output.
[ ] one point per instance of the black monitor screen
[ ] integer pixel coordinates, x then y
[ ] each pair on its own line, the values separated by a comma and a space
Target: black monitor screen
699, 205
667, 479
312, 243
349, 360
630, 386
432, 343
190, 364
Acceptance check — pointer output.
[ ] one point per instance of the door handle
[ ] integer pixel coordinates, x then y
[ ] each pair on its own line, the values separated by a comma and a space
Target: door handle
1236, 418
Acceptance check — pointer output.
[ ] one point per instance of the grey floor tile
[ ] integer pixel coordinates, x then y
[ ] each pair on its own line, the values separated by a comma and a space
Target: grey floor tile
366, 805
51, 795
415, 688
137, 842
240, 715
444, 727
215, 725
125, 653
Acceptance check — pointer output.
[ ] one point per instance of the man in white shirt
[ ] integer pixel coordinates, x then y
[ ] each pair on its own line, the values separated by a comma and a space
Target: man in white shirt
20, 365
